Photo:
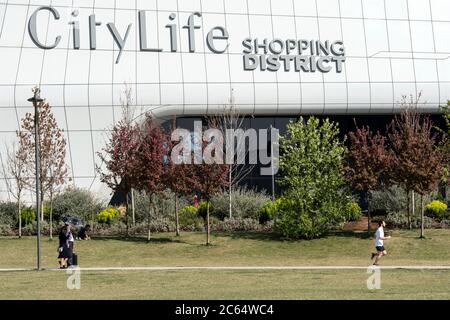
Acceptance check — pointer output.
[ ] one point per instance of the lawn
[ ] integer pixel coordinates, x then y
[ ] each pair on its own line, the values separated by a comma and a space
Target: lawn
238, 249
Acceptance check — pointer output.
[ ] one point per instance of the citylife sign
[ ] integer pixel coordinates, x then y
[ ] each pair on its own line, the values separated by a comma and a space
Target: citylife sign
264, 55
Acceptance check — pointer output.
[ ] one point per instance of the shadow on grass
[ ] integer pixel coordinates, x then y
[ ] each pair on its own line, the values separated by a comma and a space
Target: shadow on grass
139, 239
272, 236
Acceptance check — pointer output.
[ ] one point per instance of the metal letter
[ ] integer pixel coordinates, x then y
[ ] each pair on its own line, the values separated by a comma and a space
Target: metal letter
211, 37
191, 28
32, 28
118, 39
143, 33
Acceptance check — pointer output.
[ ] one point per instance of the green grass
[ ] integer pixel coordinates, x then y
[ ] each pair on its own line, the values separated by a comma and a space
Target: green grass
344, 284
239, 249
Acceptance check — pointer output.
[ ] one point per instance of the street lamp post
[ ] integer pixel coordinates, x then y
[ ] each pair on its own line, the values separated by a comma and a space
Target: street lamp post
36, 100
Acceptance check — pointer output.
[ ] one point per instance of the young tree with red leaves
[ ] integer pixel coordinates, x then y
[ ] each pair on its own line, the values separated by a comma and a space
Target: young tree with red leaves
417, 162
151, 155
368, 159
211, 176
122, 167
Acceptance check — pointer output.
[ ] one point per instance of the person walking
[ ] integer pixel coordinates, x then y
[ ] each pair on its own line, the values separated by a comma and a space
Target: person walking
379, 243
63, 247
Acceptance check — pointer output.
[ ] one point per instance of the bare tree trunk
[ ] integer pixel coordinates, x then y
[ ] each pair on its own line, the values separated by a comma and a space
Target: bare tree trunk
149, 219
413, 204
133, 209
407, 209
422, 222
230, 182
177, 216
208, 229
42, 206
51, 217
20, 217
368, 221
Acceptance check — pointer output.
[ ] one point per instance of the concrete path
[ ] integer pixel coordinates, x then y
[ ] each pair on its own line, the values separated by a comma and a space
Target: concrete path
237, 268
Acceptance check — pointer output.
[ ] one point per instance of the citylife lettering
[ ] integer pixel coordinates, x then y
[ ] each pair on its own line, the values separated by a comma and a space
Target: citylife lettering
291, 54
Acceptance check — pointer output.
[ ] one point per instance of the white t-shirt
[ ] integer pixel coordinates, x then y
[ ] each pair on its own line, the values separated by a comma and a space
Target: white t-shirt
378, 235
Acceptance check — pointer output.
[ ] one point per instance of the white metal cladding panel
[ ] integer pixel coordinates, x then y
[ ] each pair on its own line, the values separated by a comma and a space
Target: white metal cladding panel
393, 48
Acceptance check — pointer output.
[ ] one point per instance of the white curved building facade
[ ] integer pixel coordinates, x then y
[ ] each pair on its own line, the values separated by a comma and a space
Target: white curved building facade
186, 57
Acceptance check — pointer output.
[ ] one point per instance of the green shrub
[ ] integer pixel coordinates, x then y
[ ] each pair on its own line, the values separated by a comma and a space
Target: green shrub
202, 209
74, 202
108, 215
437, 209
8, 213
270, 210
189, 217
6, 230
311, 162
400, 220
245, 203
28, 215
353, 211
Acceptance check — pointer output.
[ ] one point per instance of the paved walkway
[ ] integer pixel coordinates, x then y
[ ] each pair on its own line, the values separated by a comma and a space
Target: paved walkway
237, 268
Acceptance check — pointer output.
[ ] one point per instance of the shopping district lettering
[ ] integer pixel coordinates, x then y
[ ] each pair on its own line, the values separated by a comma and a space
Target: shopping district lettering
258, 54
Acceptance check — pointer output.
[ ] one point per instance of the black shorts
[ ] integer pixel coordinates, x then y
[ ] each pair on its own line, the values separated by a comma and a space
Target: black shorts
380, 249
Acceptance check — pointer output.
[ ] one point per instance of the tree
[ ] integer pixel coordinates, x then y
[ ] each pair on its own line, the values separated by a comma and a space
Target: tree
231, 123
210, 176
312, 163
151, 156
53, 170
120, 160
416, 162
367, 160
17, 169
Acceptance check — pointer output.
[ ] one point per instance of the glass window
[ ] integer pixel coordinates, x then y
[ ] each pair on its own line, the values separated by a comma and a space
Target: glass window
146, 4
335, 93
305, 8
440, 10
282, 7
422, 36
217, 68
100, 95
382, 98
376, 34
125, 70
148, 67
194, 67
196, 94
399, 36
236, 6
402, 70
430, 94
425, 70
76, 95
82, 158
190, 5
243, 94
170, 67
30, 71
9, 60
238, 74
351, 8
358, 93
353, 31
444, 70
7, 94
419, 9
328, 8
10, 115
78, 118
396, 9
212, 6
101, 66
53, 94
289, 94
357, 70
171, 94
148, 94
237, 26
380, 70
312, 93
168, 5
330, 29
266, 94
373, 9
441, 32
218, 96
259, 6
14, 26
78, 66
